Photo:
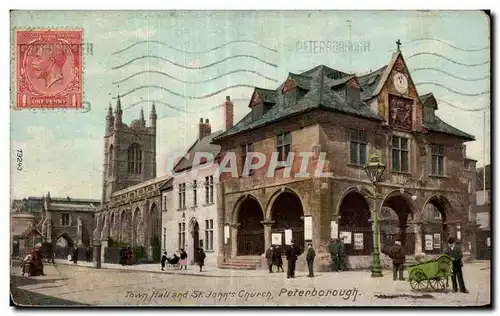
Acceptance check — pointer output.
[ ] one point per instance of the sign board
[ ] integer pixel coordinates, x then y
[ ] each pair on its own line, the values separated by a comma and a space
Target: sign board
308, 228
429, 242
488, 242
459, 235
276, 238
288, 236
358, 241
226, 233
437, 241
334, 230
346, 236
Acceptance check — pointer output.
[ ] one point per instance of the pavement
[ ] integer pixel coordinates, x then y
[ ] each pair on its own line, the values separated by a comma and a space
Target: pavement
67, 284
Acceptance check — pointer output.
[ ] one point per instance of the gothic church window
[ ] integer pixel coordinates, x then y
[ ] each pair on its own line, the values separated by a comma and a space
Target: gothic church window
134, 159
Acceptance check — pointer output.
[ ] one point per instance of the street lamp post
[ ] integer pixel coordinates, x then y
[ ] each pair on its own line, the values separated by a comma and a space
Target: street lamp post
374, 169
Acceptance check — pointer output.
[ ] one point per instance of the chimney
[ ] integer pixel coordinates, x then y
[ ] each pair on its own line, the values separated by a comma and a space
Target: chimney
228, 114
208, 128
204, 129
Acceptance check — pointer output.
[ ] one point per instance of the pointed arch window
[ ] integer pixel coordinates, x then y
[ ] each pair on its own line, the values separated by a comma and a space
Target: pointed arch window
134, 159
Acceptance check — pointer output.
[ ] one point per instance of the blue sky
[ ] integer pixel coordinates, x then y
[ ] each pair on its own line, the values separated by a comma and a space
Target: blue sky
63, 150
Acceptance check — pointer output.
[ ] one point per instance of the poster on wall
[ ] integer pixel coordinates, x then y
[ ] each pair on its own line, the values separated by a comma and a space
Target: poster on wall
334, 230
308, 228
429, 242
346, 236
358, 241
226, 233
288, 236
437, 241
276, 239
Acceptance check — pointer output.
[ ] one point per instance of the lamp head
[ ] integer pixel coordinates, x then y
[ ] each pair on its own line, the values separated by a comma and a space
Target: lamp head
374, 169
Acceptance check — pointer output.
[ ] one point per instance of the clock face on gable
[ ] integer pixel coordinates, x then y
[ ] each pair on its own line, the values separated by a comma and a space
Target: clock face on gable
400, 82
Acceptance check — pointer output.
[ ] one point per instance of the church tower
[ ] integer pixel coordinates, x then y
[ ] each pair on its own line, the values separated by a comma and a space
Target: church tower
129, 151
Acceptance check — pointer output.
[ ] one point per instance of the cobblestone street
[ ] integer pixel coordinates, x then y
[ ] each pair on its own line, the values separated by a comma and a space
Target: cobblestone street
67, 284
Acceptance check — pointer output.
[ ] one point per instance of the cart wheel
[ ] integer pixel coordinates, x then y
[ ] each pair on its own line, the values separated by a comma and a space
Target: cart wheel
418, 280
437, 284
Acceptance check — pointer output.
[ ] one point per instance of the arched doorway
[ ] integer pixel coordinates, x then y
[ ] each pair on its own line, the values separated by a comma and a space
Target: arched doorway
394, 227
250, 237
355, 224
434, 225
155, 226
63, 247
287, 213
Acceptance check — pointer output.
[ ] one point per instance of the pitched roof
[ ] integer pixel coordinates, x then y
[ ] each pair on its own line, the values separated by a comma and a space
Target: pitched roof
317, 84
204, 145
167, 185
439, 126
370, 83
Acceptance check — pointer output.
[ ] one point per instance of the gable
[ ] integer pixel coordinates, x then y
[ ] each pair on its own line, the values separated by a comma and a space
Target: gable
289, 85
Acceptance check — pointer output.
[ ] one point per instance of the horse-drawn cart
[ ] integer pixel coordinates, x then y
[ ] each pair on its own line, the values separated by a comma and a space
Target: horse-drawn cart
432, 274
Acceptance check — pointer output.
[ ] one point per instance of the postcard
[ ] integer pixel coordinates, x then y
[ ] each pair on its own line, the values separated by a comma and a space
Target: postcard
250, 158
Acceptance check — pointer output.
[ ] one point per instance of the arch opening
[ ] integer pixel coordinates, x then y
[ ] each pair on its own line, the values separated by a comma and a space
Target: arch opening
398, 210
354, 224
435, 216
287, 213
250, 236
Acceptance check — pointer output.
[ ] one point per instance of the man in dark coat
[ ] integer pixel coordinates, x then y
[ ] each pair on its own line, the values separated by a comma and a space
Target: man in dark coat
334, 252
201, 258
311, 254
74, 255
456, 255
278, 260
163, 260
292, 253
270, 257
397, 254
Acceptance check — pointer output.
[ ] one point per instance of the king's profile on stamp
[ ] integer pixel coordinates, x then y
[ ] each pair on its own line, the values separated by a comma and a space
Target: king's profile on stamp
48, 67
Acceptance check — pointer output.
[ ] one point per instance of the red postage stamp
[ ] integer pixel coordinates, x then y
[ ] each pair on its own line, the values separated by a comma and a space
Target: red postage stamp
48, 69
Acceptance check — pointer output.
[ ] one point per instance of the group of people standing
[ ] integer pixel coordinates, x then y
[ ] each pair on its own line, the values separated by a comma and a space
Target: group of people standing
337, 252
181, 259
292, 252
32, 264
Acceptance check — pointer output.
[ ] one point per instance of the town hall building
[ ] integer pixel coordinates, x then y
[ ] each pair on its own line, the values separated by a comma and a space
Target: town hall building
347, 118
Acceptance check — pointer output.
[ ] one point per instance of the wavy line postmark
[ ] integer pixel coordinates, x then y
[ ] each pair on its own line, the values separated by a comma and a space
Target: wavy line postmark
48, 65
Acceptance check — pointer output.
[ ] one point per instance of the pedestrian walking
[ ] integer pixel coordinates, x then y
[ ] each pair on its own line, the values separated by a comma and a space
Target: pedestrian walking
278, 259
311, 254
163, 260
342, 256
201, 258
183, 261
292, 253
128, 256
397, 254
456, 255
74, 255
334, 253
270, 258
122, 256
88, 253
